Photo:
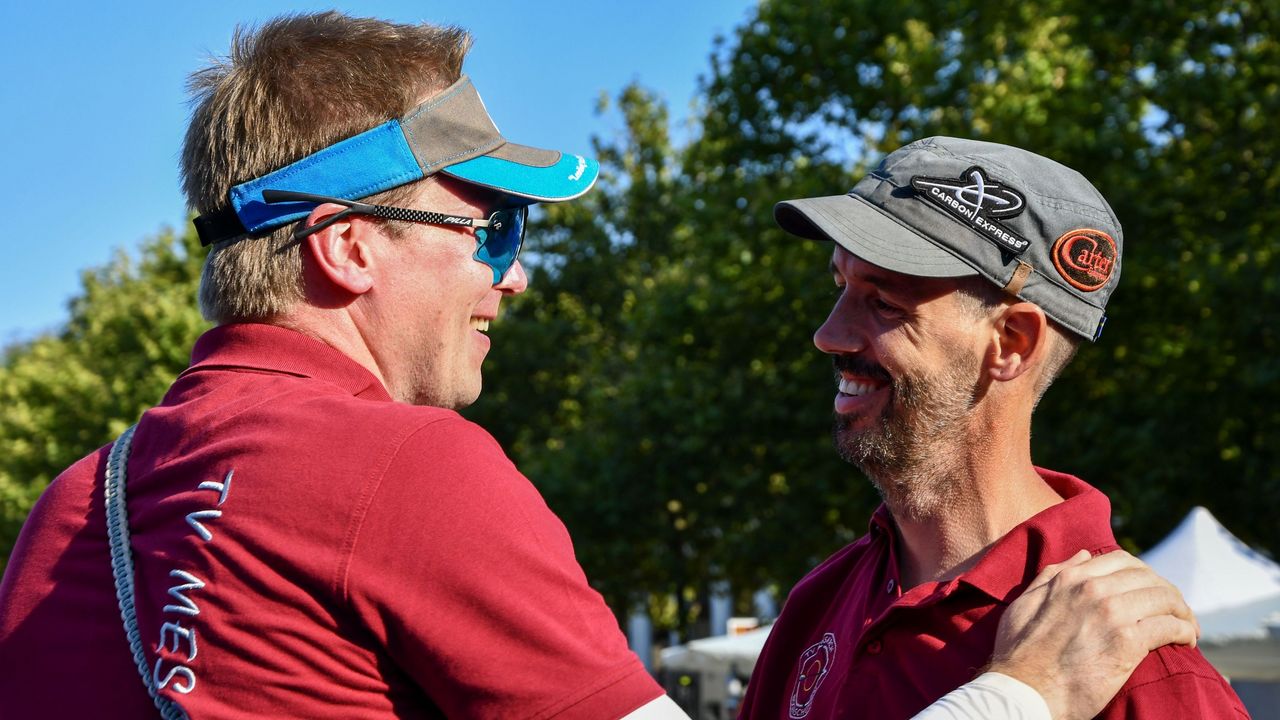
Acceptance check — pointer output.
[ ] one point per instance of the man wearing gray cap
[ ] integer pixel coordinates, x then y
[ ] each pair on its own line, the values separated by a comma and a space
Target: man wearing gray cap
967, 274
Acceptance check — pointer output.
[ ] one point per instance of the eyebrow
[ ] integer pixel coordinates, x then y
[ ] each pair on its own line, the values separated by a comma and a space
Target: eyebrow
877, 279
874, 275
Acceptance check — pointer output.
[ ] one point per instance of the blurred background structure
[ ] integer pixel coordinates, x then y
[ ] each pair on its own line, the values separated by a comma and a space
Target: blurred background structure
658, 381
1235, 593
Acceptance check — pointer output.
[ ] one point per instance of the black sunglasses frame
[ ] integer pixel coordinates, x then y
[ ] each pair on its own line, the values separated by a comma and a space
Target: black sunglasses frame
495, 222
493, 225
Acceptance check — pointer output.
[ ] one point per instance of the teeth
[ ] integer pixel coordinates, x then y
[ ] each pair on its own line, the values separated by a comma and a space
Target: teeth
850, 387
479, 324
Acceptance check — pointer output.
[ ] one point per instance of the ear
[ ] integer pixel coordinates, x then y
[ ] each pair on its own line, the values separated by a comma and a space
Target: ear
1020, 337
342, 252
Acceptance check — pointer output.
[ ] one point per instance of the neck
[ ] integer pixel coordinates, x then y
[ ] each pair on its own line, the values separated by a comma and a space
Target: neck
977, 490
338, 329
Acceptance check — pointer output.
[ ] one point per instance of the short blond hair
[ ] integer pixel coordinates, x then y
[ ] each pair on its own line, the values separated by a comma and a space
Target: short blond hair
287, 89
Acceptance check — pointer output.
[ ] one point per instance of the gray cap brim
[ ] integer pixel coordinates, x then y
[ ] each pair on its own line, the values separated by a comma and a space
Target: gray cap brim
864, 230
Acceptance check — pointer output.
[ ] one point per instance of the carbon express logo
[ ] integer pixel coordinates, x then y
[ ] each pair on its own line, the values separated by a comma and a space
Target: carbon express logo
815, 663
977, 201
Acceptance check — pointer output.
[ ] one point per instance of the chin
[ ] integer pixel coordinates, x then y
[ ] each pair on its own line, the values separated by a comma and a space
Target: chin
467, 401
467, 396
456, 400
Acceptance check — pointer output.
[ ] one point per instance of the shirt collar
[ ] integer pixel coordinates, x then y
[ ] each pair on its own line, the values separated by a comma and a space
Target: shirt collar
271, 348
1081, 520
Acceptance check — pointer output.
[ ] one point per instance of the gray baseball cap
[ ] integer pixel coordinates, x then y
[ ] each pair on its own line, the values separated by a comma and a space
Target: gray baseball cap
947, 207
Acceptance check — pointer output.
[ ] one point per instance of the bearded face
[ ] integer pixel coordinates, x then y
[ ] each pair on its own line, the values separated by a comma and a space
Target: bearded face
904, 441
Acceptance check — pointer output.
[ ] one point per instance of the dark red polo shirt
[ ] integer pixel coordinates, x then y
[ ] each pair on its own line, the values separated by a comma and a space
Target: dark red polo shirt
305, 547
851, 644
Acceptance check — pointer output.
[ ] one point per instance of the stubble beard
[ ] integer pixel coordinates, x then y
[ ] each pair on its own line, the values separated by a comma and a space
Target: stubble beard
429, 380
424, 389
912, 451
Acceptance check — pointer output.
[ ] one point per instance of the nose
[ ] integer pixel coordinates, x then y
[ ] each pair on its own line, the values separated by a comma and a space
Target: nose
840, 334
515, 281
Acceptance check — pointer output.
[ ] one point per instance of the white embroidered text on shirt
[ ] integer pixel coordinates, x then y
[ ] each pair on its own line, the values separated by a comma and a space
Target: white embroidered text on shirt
173, 634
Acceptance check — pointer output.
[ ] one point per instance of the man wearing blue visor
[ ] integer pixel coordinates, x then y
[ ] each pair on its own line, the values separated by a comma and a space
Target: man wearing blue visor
305, 527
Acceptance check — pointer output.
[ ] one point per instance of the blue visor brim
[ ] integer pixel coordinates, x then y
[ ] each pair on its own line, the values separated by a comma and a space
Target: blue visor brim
567, 178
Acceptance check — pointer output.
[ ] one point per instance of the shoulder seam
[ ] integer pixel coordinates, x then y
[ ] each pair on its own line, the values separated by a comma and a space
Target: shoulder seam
369, 489
1214, 679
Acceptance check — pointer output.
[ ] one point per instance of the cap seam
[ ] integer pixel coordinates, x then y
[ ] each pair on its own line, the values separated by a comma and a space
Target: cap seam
1053, 279
1023, 186
1064, 204
434, 102
455, 156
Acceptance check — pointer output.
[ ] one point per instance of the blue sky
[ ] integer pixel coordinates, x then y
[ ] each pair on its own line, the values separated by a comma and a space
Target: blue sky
93, 106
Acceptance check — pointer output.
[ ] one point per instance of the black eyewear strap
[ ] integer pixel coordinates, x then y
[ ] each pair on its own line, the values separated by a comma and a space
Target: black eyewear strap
495, 222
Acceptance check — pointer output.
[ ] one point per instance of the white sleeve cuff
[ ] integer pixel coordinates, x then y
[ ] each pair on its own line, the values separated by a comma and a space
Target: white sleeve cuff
990, 696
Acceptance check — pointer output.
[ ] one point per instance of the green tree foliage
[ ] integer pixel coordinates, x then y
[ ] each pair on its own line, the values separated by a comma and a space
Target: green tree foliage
673, 409
64, 394
1163, 105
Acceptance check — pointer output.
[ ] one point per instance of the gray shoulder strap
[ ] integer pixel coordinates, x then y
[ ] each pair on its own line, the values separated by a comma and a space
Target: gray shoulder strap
122, 567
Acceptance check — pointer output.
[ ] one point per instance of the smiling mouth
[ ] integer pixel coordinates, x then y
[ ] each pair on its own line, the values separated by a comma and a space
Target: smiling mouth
480, 324
858, 387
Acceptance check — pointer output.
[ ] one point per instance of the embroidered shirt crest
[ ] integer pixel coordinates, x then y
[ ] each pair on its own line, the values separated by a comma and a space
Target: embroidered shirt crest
815, 663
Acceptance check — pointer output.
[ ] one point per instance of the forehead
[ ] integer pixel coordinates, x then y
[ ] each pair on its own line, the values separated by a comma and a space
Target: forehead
848, 268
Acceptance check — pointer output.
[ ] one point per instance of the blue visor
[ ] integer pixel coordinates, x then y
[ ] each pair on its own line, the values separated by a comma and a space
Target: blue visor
450, 133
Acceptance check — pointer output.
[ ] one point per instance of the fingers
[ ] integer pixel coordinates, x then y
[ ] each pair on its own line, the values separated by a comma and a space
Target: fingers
1083, 566
1136, 599
1139, 588
1114, 573
1108, 563
1134, 604
1161, 630
1127, 593
1051, 571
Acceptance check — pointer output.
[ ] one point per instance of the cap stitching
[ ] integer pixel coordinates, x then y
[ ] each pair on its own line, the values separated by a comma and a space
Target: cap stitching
463, 83
433, 103
1097, 213
455, 156
898, 221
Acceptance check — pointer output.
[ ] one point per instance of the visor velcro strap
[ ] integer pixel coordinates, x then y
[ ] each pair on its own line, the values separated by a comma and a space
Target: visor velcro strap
219, 225
1019, 279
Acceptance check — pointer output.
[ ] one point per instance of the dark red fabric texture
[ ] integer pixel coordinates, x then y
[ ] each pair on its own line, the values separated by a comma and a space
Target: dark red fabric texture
892, 653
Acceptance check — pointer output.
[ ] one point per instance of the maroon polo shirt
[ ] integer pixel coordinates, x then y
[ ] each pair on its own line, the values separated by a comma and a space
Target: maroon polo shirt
850, 643
305, 547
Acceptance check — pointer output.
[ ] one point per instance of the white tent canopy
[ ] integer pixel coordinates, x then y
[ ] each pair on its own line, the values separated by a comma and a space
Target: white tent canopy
1213, 569
723, 653
1235, 593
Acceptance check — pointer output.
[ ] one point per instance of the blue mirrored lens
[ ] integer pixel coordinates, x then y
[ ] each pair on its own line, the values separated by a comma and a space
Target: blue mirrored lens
499, 246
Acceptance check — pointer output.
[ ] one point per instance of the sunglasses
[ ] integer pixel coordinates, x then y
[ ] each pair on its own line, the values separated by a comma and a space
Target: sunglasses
498, 237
